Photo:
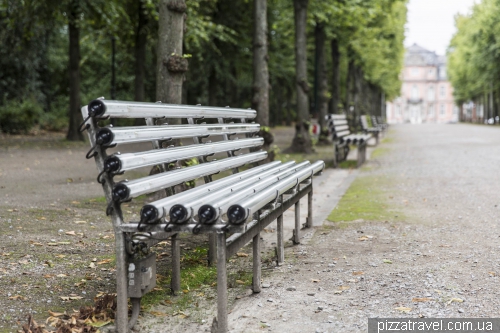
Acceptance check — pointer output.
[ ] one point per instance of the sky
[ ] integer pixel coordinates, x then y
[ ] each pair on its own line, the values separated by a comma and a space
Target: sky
431, 23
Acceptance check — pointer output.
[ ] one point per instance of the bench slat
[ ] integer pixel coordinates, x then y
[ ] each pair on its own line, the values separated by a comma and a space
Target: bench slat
131, 161
121, 135
240, 212
160, 208
119, 109
124, 191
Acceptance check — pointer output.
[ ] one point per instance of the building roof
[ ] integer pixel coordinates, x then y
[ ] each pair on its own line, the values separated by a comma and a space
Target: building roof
418, 56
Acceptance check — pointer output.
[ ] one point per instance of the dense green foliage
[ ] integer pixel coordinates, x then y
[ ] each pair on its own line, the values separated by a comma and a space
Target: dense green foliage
34, 52
474, 54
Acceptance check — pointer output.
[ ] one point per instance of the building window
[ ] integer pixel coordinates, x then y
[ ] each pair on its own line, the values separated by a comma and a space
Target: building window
430, 93
442, 91
414, 92
441, 110
431, 111
414, 71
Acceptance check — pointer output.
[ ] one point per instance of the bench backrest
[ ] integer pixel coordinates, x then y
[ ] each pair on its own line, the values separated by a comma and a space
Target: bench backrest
338, 126
228, 128
364, 123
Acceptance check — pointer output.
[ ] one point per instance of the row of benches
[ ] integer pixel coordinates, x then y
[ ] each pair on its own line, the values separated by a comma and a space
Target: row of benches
343, 139
232, 210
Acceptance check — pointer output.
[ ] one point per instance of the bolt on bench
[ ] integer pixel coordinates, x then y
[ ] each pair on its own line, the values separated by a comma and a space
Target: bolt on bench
233, 210
342, 139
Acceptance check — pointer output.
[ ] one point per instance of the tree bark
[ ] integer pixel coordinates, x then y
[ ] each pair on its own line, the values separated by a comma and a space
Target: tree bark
322, 98
171, 65
141, 37
260, 101
75, 116
301, 142
334, 102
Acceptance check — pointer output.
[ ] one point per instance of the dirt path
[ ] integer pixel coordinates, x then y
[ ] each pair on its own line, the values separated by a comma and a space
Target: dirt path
437, 258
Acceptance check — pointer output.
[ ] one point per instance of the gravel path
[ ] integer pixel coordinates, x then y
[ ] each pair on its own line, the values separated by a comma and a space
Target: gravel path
438, 258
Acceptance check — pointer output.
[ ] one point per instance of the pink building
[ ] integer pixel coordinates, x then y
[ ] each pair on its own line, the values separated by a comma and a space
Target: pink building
426, 94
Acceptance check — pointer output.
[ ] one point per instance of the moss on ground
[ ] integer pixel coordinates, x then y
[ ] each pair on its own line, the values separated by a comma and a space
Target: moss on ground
366, 200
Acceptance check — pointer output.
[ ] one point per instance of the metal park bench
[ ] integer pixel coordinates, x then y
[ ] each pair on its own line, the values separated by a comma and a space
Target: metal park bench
342, 139
233, 209
374, 131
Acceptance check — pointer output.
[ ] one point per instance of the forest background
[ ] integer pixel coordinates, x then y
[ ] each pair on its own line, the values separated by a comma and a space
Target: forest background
58, 55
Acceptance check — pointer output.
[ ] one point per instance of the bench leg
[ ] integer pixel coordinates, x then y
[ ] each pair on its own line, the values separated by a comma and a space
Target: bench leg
296, 231
377, 138
121, 284
175, 283
360, 156
212, 249
309, 219
281, 246
221, 284
335, 156
256, 264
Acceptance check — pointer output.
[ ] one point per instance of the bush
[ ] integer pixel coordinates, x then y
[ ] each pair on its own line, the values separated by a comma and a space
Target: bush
57, 119
18, 117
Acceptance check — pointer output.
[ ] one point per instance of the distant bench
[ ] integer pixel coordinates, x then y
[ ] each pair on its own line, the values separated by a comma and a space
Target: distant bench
240, 204
374, 131
343, 139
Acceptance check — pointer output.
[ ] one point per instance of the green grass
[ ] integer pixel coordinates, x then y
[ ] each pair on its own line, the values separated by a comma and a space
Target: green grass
195, 273
365, 200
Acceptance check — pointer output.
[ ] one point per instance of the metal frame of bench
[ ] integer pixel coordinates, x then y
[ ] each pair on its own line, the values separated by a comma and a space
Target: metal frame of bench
241, 204
342, 138
374, 131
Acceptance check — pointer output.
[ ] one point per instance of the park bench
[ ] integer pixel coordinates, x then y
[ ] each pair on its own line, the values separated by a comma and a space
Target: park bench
232, 210
366, 128
343, 138
378, 122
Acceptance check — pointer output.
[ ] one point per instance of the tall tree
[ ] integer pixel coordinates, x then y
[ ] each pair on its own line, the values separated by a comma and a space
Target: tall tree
171, 65
321, 90
141, 38
335, 72
260, 100
75, 117
302, 141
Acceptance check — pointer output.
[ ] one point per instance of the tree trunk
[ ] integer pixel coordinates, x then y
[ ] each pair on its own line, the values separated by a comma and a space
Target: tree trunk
171, 65
141, 37
301, 142
75, 116
334, 102
321, 79
212, 88
260, 101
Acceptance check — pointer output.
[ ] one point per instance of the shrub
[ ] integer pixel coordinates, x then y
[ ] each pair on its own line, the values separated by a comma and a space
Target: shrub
18, 117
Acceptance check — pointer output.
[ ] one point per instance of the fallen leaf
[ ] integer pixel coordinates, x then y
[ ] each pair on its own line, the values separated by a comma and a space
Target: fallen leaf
315, 280
457, 300
56, 314
60, 256
92, 265
158, 313
48, 276
337, 292
18, 297
71, 233
52, 244
240, 282
80, 222
105, 261
492, 273
363, 238
344, 288
387, 261
358, 273
421, 299
403, 309
61, 275
75, 202
241, 254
